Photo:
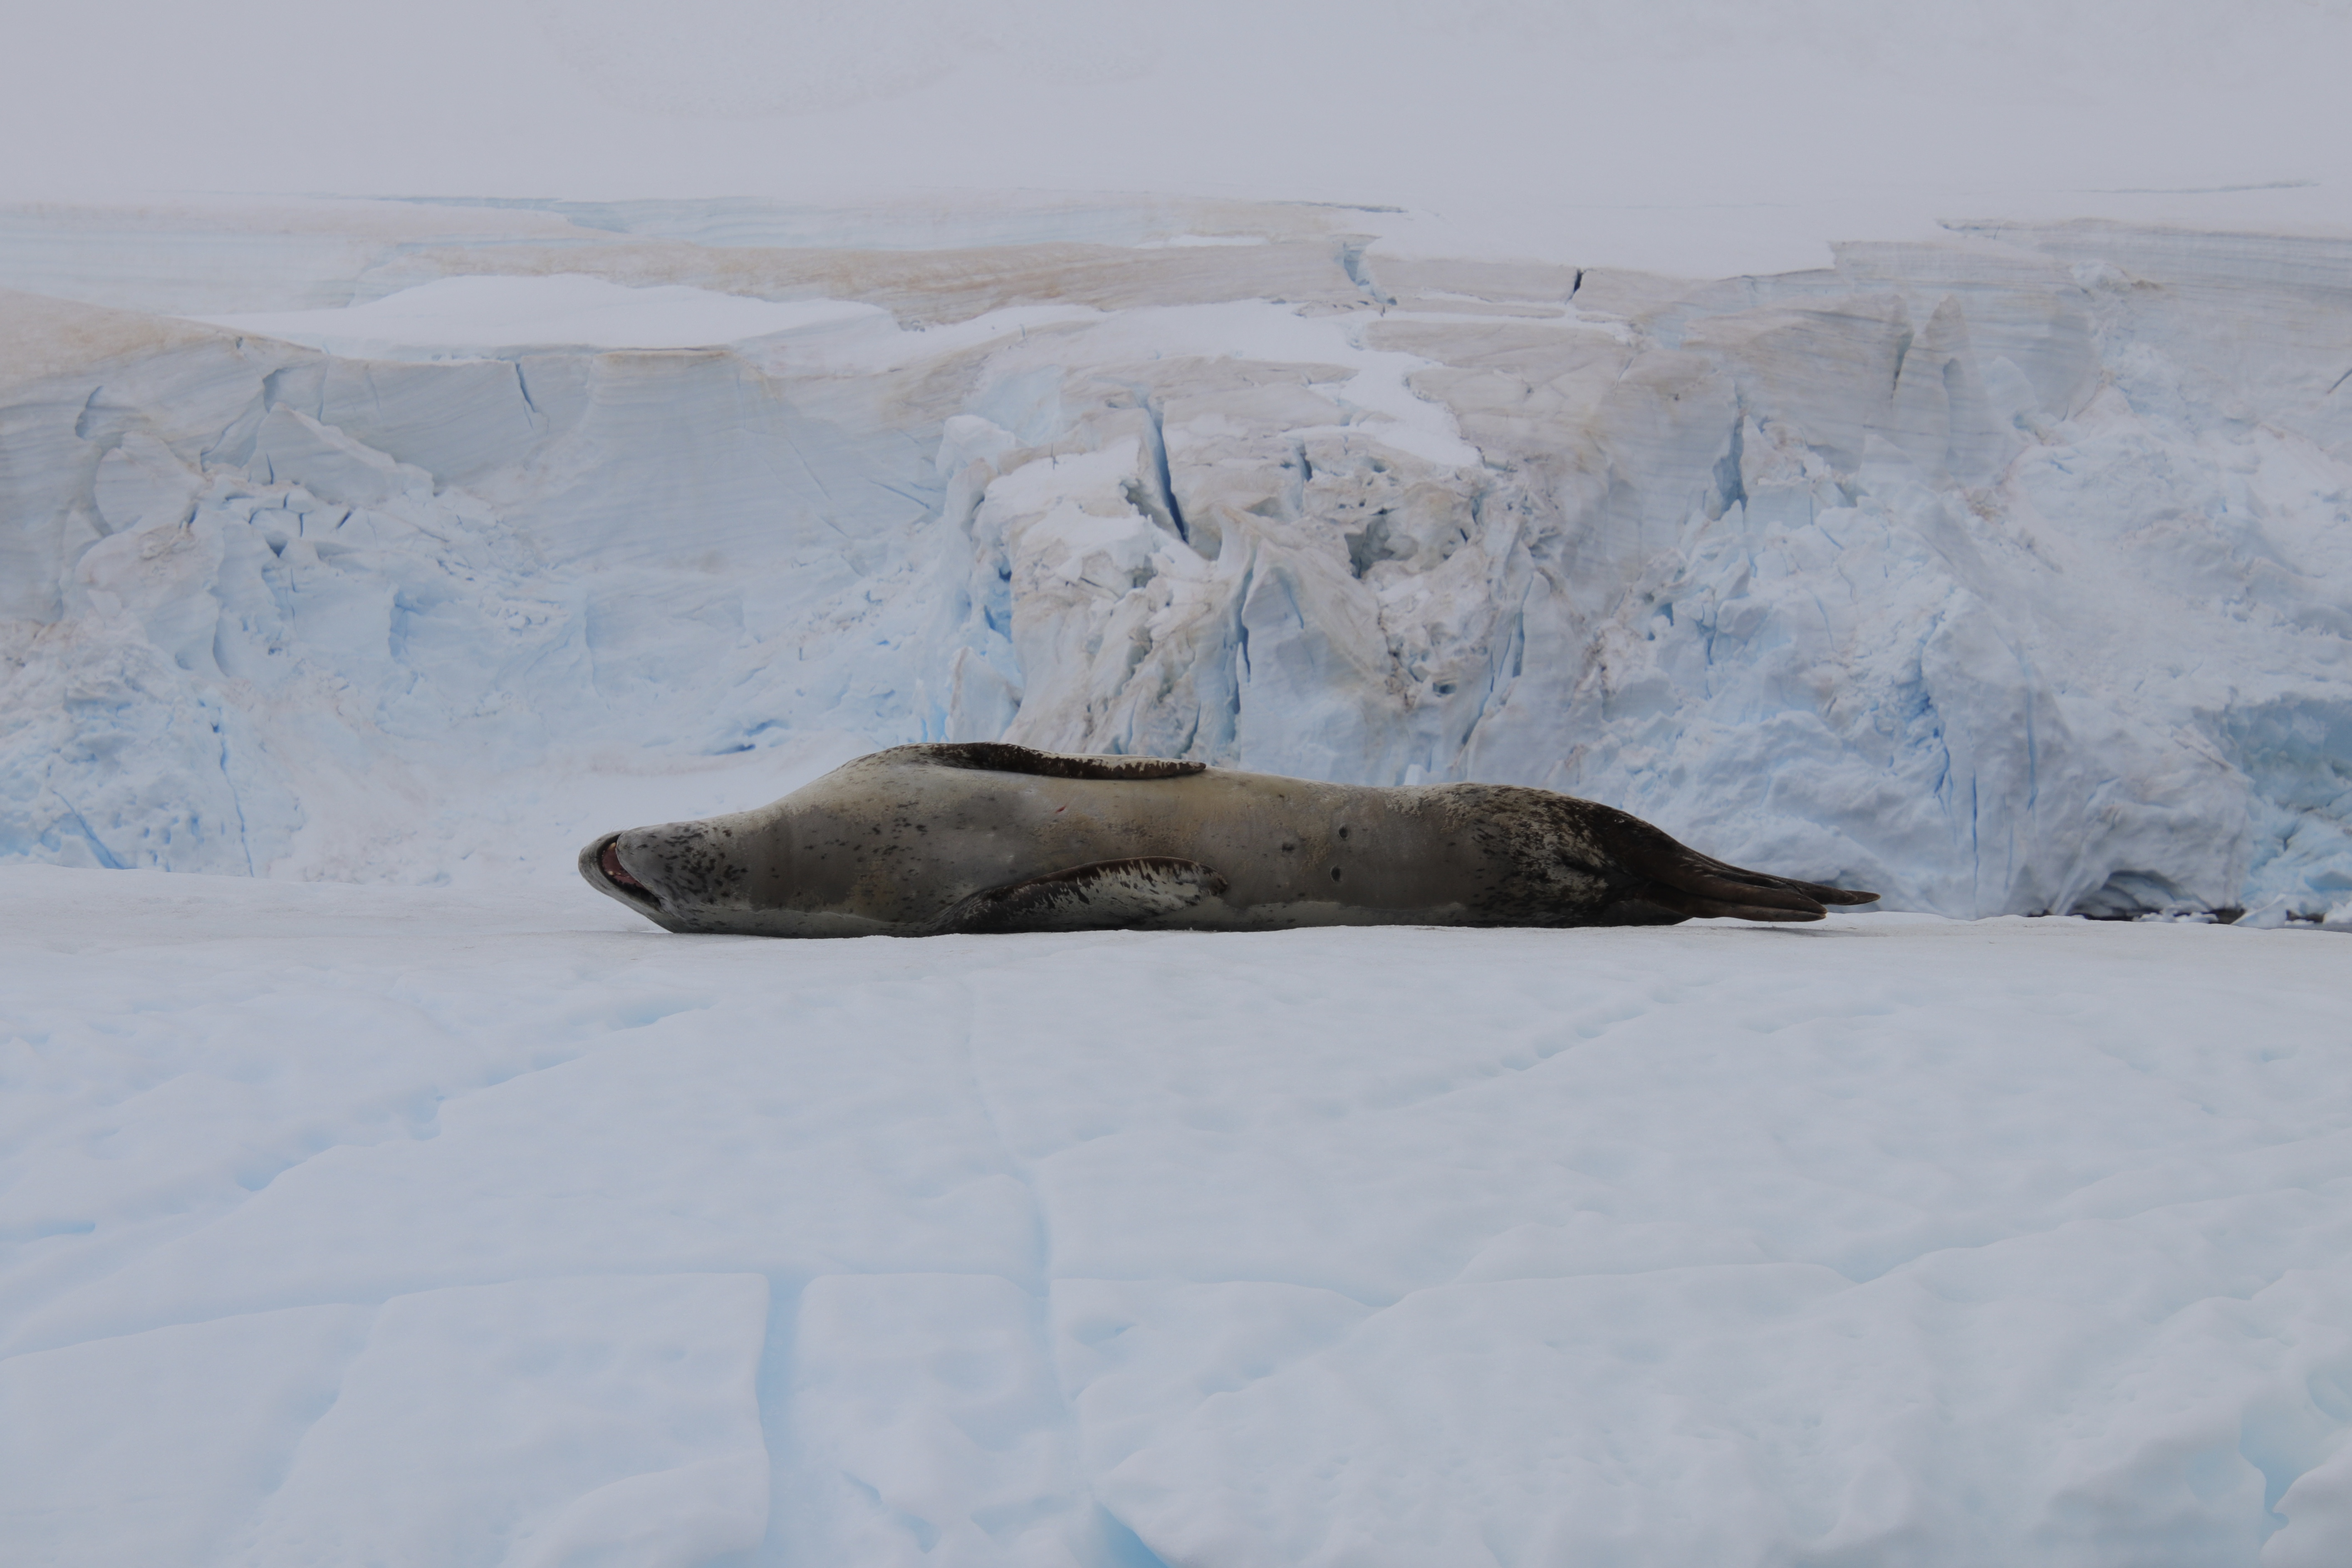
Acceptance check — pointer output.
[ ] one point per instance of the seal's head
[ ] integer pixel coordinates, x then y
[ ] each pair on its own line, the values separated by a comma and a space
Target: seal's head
683, 876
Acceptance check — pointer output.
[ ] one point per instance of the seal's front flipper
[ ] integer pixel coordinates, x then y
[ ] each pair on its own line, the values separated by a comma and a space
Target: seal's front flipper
1103, 896
1002, 757
1659, 882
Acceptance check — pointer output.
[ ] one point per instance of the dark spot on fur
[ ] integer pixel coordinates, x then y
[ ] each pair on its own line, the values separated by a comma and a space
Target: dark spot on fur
1343, 833
1335, 873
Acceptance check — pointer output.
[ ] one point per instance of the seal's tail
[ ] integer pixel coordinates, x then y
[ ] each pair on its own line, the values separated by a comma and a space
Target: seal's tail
1659, 882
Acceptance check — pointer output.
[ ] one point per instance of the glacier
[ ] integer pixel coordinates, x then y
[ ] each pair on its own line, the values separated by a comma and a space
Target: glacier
2007, 572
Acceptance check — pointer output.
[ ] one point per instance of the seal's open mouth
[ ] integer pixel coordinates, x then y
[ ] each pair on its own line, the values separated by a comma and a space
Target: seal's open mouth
608, 861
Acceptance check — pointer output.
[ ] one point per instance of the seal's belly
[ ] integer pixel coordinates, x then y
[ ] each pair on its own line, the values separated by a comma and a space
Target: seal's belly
904, 843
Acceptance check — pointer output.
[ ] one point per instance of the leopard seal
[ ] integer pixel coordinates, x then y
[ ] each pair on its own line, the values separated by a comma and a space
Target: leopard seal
973, 836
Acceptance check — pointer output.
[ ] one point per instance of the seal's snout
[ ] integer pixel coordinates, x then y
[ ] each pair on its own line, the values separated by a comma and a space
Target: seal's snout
599, 864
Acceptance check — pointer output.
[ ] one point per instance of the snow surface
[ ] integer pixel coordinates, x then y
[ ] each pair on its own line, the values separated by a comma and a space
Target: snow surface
464, 314
2005, 574
370, 1224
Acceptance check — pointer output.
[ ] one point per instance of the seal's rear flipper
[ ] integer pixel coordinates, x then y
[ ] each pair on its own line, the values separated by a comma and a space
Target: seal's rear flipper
1103, 896
1659, 880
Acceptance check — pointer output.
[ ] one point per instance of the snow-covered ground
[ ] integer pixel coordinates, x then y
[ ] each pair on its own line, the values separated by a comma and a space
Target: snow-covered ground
405, 1225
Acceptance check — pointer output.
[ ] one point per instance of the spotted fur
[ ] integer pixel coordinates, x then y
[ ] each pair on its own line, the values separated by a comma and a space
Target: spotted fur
987, 836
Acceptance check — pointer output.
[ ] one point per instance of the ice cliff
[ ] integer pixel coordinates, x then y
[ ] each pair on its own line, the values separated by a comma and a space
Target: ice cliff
2008, 573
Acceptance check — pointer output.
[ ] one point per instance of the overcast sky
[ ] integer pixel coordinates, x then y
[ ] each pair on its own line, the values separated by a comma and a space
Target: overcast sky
1504, 115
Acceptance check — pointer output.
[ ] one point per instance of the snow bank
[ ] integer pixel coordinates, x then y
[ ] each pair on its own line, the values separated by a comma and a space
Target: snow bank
344, 1224
517, 312
2003, 574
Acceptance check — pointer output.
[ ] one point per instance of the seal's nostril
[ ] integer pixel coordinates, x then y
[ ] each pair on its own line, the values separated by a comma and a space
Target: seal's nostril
609, 862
